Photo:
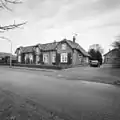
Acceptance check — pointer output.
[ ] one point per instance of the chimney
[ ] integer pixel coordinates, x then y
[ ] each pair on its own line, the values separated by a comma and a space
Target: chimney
74, 39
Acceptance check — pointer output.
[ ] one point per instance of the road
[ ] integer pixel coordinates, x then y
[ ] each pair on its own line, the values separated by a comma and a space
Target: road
78, 99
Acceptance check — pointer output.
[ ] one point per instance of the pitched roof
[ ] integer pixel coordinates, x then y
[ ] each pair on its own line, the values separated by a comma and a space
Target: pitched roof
113, 50
48, 46
27, 49
77, 46
53, 45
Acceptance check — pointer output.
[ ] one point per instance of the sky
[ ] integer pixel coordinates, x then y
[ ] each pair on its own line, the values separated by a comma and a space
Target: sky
94, 21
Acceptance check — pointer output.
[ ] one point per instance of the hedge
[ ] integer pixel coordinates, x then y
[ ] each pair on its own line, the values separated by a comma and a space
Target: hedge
56, 67
39, 66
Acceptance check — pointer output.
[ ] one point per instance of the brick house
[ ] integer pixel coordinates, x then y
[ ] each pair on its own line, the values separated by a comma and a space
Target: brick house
112, 57
63, 53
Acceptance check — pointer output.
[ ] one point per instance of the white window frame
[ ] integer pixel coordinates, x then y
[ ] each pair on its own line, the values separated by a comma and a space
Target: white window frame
53, 57
26, 57
30, 56
45, 58
64, 57
64, 46
19, 58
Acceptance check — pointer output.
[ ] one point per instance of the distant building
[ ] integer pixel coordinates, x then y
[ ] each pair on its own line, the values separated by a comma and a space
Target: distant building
112, 57
65, 52
5, 57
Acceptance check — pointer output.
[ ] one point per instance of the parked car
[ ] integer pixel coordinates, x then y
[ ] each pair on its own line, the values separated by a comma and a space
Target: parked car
94, 63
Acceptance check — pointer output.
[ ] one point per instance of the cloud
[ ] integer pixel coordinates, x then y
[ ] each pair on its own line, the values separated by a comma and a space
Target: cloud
91, 8
55, 19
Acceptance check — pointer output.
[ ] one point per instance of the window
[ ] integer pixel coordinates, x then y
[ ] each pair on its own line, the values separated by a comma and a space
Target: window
37, 59
63, 46
26, 57
53, 58
45, 58
19, 58
64, 57
37, 50
80, 57
31, 58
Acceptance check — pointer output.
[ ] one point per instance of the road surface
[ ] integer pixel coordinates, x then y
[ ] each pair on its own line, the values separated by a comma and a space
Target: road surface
79, 99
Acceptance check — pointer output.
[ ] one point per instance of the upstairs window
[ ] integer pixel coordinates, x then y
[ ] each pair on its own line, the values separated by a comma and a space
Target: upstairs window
37, 50
64, 57
64, 46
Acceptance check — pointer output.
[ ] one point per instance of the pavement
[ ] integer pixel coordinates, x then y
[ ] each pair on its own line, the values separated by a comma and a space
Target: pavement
66, 99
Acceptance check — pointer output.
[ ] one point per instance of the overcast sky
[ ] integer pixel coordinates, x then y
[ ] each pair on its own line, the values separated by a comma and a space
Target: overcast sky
95, 21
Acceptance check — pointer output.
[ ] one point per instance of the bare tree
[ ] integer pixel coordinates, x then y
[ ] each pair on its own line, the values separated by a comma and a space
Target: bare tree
4, 5
116, 43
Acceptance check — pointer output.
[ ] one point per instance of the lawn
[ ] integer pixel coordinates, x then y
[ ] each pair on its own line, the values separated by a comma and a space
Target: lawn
92, 74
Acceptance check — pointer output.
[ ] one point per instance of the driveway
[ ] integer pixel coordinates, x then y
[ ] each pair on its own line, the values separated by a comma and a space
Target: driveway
79, 99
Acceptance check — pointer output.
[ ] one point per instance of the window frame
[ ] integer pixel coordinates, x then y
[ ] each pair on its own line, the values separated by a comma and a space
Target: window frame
53, 57
45, 58
19, 58
37, 50
64, 46
64, 57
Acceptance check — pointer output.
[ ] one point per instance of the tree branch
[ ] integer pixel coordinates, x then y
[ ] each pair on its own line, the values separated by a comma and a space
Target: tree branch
4, 3
13, 26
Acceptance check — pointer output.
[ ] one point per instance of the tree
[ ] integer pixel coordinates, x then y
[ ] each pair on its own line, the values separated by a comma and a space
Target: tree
116, 45
95, 52
97, 47
4, 5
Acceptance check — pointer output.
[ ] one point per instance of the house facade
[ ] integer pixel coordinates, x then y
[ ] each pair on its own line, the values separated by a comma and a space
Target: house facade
112, 57
63, 53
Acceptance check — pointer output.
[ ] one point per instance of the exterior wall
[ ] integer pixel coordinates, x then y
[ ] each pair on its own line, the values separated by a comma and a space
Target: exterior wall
49, 60
37, 56
51, 57
50, 54
79, 59
111, 57
67, 50
19, 59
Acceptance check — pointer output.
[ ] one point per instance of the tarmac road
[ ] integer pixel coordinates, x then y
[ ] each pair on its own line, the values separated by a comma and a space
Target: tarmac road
79, 99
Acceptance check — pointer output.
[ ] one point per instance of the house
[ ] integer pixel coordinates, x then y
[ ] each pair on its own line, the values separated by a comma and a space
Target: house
112, 57
5, 57
62, 53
